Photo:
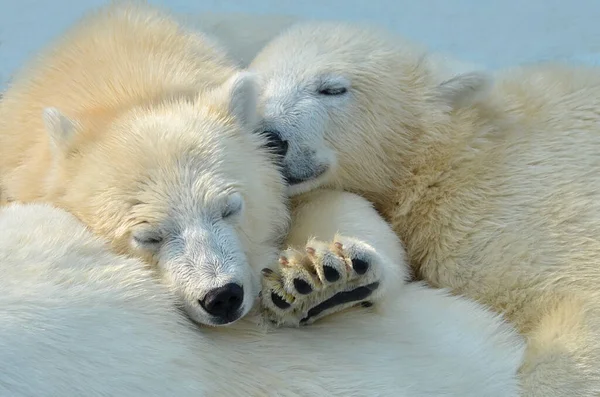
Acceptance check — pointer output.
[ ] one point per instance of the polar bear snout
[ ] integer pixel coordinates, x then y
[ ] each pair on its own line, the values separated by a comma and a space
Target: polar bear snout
224, 302
294, 176
299, 119
219, 300
207, 266
305, 168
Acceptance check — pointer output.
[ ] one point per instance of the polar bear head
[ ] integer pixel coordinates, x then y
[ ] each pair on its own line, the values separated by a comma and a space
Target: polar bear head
345, 99
184, 184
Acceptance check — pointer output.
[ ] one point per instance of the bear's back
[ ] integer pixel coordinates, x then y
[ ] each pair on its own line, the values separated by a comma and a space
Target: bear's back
116, 58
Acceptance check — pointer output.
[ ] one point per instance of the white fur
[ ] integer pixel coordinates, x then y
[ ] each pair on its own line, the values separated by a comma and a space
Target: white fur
60, 129
464, 90
192, 193
493, 189
76, 319
137, 126
320, 218
242, 91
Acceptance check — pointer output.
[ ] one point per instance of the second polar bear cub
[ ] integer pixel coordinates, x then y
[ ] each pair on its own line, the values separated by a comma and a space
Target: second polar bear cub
493, 188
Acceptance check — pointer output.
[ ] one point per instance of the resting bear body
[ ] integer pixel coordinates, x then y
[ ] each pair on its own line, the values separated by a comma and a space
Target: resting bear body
142, 129
114, 123
77, 319
493, 184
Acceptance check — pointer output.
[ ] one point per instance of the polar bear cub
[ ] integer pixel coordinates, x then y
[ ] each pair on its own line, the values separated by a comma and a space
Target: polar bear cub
494, 187
77, 319
138, 128
141, 129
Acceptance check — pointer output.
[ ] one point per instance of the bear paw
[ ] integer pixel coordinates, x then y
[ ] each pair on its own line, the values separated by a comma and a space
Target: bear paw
326, 278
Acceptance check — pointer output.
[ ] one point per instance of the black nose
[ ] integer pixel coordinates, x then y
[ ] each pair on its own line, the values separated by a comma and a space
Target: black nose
275, 143
224, 301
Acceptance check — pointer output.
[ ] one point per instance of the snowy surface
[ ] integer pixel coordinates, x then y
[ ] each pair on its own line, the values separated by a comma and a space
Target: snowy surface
487, 32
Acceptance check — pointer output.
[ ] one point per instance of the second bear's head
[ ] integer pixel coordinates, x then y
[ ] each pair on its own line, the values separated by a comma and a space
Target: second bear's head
356, 105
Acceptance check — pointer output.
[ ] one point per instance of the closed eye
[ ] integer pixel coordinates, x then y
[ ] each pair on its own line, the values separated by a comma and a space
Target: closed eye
333, 91
229, 212
148, 240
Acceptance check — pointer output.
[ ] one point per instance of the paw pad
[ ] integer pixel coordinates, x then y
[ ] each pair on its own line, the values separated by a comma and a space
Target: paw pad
279, 302
360, 266
302, 286
325, 278
331, 274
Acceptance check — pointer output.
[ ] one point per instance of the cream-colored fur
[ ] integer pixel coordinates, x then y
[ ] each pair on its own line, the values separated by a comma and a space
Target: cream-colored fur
335, 233
152, 152
140, 130
116, 122
493, 188
76, 319
121, 115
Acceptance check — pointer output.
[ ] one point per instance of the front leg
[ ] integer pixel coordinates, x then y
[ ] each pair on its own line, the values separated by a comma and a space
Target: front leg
341, 254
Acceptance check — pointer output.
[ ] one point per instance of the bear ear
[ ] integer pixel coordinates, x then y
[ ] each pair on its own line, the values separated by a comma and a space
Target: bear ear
465, 89
60, 128
241, 93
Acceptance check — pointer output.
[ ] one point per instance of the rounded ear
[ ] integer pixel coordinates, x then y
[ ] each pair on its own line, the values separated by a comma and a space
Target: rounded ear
240, 94
59, 127
465, 89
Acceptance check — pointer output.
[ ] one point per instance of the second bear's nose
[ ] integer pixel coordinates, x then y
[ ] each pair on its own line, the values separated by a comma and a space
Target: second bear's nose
275, 143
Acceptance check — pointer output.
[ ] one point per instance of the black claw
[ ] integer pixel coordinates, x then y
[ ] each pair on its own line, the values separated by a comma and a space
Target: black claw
331, 274
279, 302
266, 271
360, 266
302, 286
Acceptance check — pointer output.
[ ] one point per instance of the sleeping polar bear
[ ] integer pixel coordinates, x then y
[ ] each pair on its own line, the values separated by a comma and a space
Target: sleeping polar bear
181, 181
115, 123
493, 184
76, 319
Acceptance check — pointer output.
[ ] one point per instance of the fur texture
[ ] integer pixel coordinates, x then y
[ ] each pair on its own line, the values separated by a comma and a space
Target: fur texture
140, 129
493, 188
153, 152
76, 319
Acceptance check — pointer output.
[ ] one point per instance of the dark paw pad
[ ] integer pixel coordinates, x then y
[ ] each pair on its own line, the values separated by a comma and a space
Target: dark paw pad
279, 302
341, 298
302, 286
360, 266
331, 274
